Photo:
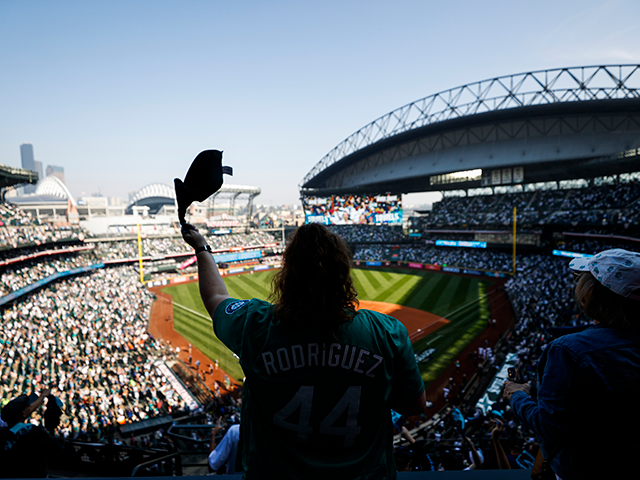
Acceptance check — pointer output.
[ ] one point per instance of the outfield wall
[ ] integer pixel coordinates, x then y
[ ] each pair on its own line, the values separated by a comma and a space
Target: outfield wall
223, 271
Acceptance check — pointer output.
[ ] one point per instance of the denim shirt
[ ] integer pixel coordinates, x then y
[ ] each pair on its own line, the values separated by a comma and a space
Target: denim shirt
588, 399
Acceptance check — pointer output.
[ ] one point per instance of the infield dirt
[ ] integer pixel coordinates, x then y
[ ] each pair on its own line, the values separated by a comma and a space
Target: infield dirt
161, 326
418, 323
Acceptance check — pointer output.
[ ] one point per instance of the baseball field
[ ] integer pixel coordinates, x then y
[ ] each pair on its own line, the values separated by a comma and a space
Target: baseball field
453, 307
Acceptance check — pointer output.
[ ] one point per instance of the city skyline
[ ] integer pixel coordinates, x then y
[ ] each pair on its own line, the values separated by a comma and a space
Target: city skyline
122, 95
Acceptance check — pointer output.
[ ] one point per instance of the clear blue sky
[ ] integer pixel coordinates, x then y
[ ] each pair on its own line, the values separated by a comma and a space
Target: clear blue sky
126, 93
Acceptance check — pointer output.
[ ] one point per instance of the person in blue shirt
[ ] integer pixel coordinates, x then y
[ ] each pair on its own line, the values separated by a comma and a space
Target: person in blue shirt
586, 413
225, 452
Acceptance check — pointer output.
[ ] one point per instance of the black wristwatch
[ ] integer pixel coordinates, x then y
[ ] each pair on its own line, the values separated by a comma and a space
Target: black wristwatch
204, 248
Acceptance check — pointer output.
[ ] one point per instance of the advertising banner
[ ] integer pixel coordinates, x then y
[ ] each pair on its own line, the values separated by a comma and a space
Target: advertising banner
472, 272
235, 256
180, 279
353, 210
518, 174
415, 265
187, 262
495, 274
451, 269
460, 243
564, 253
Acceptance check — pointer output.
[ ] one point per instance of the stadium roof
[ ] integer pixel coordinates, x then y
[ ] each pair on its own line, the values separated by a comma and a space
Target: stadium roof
10, 176
156, 195
555, 124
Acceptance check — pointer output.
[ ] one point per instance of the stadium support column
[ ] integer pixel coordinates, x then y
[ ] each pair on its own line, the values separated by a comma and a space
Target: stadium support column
232, 204
250, 210
515, 210
212, 205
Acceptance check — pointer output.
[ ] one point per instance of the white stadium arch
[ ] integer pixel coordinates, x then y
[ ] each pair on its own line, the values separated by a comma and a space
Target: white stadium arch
53, 186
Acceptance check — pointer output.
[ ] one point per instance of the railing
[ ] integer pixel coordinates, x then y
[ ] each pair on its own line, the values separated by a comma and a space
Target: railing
175, 468
194, 450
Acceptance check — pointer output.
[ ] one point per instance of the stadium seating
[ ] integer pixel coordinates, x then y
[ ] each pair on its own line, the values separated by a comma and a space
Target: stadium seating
87, 334
594, 206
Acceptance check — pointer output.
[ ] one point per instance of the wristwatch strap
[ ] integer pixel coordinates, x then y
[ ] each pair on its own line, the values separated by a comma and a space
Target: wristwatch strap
203, 248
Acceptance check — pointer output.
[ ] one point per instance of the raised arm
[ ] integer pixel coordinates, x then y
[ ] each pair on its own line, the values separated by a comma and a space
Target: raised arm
212, 288
35, 405
503, 462
477, 461
214, 433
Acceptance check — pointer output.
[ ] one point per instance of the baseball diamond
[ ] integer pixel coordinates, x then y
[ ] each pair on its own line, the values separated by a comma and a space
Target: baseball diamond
426, 302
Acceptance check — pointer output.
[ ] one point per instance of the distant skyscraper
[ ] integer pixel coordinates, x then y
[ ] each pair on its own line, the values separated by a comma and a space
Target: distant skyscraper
55, 171
38, 170
28, 162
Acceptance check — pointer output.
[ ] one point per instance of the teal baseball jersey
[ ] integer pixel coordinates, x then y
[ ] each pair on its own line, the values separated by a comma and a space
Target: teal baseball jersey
316, 404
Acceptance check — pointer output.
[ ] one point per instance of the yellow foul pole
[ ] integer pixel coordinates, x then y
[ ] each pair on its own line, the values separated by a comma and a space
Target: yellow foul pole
140, 255
515, 209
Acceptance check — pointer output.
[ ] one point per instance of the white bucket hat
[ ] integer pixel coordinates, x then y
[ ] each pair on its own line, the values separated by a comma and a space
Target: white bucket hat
617, 269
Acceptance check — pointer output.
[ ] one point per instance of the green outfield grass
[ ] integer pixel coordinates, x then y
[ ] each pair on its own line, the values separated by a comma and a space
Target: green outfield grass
191, 320
461, 300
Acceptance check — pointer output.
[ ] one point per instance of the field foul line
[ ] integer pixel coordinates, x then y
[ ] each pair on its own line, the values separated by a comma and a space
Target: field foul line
434, 339
192, 311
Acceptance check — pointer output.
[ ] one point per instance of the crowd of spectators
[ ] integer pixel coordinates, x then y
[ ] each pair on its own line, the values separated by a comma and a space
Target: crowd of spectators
592, 246
454, 257
87, 338
25, 271
14, 237
369, 233
119, 249
11, 215
19, 275
596, 205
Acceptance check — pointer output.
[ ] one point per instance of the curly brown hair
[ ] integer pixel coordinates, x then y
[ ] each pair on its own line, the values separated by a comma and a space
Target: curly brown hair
314, 285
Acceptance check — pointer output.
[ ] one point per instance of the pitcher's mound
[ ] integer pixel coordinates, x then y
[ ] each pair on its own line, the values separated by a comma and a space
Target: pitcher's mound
419, 323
